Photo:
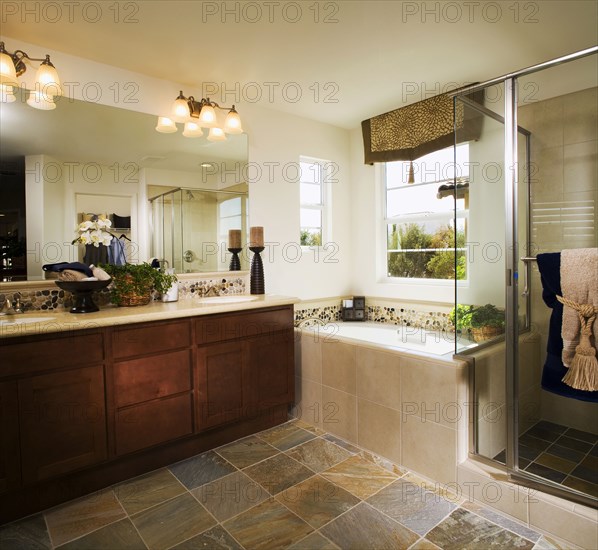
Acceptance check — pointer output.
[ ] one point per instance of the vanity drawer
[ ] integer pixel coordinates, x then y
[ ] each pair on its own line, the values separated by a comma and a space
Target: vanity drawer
154, 422
139, 380
150, 338
37, 354
219, 328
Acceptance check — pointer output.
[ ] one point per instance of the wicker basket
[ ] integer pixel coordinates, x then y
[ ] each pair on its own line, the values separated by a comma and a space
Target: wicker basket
135, 299
485, 333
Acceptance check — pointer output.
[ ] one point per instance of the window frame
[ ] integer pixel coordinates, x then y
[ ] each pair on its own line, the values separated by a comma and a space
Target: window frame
325, 207
382, 237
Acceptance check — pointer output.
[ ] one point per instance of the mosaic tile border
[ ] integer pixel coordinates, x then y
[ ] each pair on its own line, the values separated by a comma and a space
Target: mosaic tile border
395, 314
48, 299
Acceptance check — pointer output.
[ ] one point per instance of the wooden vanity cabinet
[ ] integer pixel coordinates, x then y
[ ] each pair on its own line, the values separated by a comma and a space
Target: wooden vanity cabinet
82, 410
245, 363
10, 471
152, 385
58, 381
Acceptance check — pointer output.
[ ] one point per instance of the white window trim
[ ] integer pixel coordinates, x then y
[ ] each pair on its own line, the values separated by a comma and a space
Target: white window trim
381, 238
326, 207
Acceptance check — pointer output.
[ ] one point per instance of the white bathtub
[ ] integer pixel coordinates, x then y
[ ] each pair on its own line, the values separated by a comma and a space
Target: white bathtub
400, 337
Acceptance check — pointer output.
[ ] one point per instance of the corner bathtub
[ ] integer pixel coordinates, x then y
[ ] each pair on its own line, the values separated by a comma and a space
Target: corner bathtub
399, 337
396, 391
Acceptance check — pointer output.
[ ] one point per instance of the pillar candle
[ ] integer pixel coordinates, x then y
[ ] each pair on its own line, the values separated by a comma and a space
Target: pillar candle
256, 236
234, 238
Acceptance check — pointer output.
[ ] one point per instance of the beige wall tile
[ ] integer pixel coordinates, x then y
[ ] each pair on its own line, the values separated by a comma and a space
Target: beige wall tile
547, 175
379, 429
308, 356
429, 390
475, 484
581, 116
548, 123
338, 366
308, 401
581, 415
429, 449
379, 377
564, 523
580, 163
339, 413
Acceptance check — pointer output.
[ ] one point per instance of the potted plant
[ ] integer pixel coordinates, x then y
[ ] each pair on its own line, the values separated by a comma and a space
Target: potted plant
482, 322
133, 283
487, 322
460, 318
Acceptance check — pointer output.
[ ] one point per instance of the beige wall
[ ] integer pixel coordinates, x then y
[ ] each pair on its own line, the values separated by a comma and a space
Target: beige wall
564, 198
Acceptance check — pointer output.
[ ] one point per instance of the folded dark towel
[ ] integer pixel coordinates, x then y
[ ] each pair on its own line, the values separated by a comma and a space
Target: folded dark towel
75, 266
550, 271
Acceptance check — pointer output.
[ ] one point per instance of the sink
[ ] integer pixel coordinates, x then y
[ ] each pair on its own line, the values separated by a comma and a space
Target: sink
12, 320
227, 299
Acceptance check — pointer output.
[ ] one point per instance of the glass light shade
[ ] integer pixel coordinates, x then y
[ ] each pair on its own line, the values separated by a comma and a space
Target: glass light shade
7, 94
216, 134
207, 117
39, 100
180, 110
47, 79
8, 74
232, 124
192, 130
166, 125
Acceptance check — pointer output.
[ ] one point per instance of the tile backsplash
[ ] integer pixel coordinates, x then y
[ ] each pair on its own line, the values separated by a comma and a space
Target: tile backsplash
378, 310
47, 296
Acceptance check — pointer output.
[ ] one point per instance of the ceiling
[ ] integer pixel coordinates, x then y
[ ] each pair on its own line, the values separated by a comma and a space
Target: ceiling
360, 58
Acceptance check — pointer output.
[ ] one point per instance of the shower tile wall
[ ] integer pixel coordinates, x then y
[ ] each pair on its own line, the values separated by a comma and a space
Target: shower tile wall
564, 204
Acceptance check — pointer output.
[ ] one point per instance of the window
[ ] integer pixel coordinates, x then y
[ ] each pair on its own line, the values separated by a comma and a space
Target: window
230, 216
419, 219
314, 201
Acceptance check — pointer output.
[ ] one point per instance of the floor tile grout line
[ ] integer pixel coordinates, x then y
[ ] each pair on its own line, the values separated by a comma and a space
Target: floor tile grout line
93, 530
506, 528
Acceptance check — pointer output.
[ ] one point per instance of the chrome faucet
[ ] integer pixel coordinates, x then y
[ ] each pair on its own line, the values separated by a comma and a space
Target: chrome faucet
211, 290
9, 309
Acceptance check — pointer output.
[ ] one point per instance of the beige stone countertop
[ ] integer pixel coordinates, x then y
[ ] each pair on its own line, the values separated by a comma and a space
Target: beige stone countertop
61, 320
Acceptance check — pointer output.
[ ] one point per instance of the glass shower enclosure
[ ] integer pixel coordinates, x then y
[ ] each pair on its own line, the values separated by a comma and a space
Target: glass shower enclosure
532, 189
189, 228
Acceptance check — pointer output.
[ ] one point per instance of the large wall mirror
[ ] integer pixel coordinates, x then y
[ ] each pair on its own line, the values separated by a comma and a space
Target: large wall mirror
84, 158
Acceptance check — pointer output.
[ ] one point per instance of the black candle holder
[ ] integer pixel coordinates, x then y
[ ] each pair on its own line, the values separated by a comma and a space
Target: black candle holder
235, 262
257, 282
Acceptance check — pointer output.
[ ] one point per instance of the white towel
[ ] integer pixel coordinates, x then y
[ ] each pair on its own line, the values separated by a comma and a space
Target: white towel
579, 283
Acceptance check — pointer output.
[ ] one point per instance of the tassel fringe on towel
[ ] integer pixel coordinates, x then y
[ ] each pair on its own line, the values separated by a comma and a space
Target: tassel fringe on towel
583, 371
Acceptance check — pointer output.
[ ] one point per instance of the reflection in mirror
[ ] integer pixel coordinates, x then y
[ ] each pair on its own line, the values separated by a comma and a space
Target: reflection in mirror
85, 158
190, 227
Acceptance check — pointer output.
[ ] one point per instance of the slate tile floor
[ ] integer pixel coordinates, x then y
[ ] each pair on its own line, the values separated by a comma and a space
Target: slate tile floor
293, 486
560, 454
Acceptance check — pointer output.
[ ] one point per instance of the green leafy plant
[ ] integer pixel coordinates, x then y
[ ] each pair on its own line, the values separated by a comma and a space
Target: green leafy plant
487, 316
136, 279
460, 316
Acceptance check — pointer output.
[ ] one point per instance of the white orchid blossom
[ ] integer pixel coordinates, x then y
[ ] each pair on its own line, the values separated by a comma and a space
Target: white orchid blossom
93, 232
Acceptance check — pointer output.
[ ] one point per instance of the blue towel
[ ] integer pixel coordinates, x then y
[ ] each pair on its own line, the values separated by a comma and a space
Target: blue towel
75, 266
550, 271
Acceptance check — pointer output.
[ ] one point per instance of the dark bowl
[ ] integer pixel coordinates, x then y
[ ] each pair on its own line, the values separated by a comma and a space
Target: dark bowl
82, 286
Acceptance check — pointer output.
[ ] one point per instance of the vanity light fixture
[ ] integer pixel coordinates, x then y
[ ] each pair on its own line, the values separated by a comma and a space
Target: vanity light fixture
196, 115
47, 81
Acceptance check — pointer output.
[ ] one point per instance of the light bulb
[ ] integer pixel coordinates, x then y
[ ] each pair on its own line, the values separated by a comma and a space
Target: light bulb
165, 125
47, 78
8, 73
180, 109
192, 130
39, 100
7, 94
207, 117
216, 134
232, 124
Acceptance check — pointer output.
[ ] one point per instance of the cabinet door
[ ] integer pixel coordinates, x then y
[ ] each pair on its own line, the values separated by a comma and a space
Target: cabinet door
62, 422
10, 474
220, 383
270, 371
